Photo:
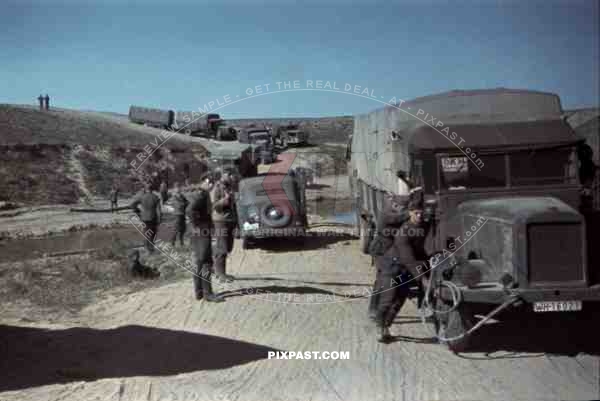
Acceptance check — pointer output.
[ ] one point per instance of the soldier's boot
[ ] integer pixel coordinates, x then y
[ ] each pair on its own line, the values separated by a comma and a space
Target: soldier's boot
220, 261
384, 335
198, 291
373, 307
208, 294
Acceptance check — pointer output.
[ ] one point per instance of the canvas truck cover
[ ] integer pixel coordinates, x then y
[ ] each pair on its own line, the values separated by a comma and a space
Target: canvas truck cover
383, 138
190, 120
139, 114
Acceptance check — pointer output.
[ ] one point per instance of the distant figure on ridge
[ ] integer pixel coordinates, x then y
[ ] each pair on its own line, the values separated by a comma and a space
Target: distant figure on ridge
114, 198
47, 101
41, 100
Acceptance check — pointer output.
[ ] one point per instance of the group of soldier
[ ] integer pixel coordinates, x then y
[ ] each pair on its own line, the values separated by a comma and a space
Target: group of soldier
398, 248
211, 210
44, 102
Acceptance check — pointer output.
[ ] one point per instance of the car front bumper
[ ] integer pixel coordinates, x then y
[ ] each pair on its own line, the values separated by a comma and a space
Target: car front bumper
492, 293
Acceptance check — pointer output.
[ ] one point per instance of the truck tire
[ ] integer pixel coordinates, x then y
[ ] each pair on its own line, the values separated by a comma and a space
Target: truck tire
366, 235
453, 325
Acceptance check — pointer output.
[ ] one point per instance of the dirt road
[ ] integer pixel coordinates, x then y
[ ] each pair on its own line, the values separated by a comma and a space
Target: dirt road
161, 344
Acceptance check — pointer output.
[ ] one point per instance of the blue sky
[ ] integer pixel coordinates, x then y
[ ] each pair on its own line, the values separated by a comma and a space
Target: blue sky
183, 54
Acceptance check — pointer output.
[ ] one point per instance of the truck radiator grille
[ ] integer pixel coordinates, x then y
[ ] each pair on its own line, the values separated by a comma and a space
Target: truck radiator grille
556, 254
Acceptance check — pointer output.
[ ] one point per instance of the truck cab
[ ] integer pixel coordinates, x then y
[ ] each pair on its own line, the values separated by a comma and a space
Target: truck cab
503, 196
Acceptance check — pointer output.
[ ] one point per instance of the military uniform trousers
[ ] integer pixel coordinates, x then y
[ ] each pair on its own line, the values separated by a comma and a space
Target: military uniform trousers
202, 253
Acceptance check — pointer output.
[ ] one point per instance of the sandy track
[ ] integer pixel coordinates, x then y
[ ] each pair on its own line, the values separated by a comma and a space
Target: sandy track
167, 346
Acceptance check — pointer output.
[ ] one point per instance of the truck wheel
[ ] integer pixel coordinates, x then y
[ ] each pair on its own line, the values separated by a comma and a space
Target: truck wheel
453, 325
366, 235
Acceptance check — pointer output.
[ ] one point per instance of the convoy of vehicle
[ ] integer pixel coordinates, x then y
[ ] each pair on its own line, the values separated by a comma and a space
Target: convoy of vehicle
499, 170
187, 122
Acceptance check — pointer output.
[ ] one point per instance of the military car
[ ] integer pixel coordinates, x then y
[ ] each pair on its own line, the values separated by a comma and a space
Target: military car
291, 134
499, 170
261, 141
271, 205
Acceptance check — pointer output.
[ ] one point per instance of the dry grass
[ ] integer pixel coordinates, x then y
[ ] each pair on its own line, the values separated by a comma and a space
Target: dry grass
36, 175
63, 156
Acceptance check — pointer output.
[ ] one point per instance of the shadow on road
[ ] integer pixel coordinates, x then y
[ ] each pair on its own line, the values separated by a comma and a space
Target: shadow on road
36, 357
276, 289
311, 241
264, 278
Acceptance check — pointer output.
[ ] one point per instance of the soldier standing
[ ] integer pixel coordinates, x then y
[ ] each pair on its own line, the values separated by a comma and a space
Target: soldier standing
180, 204
150, 215
398, 265
164, 192
47, 101
394, 214
200, 215
114, 198
41, 100
223, 212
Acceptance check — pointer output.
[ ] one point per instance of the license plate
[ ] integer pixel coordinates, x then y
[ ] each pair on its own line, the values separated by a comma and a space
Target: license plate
557, 306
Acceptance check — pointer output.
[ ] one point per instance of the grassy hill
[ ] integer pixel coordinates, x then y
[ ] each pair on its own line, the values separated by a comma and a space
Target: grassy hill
67, 156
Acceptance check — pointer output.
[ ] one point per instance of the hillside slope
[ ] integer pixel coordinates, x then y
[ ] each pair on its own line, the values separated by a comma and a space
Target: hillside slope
66, 156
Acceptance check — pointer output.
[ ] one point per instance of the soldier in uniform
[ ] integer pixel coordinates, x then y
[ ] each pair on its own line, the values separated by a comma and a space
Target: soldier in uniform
47, 101
200, 214
180, 204
164, 192
402, 262
223, 215
41, 100
394, 214
114, 198
150, 215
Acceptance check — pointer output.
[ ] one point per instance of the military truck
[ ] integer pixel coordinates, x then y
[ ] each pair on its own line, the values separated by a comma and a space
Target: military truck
291, 134
234, 157
198, 124
151, 117
261, 141
499, 171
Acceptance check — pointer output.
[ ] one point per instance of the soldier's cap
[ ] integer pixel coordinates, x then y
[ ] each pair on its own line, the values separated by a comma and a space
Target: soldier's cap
415, 204
416, 200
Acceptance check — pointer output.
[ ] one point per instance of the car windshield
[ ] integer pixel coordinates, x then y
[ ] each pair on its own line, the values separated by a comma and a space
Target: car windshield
545, 166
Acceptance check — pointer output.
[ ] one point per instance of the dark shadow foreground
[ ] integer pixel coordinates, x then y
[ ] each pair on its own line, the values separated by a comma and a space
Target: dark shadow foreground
35, 357
312, 241
558, 333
